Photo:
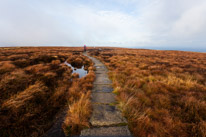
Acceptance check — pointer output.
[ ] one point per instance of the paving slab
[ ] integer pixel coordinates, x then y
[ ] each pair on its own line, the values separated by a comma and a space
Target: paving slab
100, 72
106, 119
105, 98
102, 75
100, 66
121, 131
102, 79
106, 115
102, 88
101, 69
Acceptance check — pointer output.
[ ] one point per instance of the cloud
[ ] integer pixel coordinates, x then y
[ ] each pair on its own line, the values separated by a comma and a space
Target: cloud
28, 23
143, 23
175, 23
192, 22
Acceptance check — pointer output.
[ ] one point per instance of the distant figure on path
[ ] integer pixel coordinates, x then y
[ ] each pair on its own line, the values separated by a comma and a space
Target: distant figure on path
85, 48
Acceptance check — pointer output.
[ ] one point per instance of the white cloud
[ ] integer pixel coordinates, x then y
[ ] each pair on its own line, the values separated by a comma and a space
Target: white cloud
107, 26
192, 23
175, 23
103, 22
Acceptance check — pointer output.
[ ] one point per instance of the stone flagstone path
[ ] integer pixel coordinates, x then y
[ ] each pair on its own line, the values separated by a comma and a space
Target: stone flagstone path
106, 119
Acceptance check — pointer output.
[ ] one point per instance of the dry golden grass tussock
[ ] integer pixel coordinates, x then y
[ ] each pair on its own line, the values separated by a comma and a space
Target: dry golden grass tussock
75, 75
90, 77
78, 115
34, 85
14, 103
187, 82
38, 69
6, 66
12, 83
162, 93
79, 104
74, 92
60, 95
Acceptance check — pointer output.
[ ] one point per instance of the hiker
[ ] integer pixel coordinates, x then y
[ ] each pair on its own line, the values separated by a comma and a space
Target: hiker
85, 48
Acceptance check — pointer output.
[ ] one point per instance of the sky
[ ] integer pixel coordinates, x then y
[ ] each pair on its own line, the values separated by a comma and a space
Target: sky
163, 24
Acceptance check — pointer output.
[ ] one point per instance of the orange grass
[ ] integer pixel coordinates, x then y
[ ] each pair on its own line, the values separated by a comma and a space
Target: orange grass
78, 115
34, 85
161, 93
79, 104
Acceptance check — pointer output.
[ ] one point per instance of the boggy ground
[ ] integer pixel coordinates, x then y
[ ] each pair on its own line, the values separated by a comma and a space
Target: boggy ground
161, 93
35, 84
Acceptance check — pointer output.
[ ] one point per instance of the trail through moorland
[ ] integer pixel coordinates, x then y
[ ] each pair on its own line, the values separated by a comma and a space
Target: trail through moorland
106, 119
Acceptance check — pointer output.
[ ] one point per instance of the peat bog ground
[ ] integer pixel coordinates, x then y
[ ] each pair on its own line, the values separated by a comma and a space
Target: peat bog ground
35, 84
160, 93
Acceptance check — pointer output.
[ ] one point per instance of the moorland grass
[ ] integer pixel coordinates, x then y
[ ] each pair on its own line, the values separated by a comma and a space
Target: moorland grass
35, 85
161, 93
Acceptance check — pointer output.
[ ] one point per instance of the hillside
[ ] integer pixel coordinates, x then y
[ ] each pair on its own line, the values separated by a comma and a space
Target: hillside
161, 93
36, 85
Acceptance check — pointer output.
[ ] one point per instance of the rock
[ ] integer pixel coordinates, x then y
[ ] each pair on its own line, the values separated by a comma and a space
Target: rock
103, 98
102, 79
106, 115
122, 131
102, 88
